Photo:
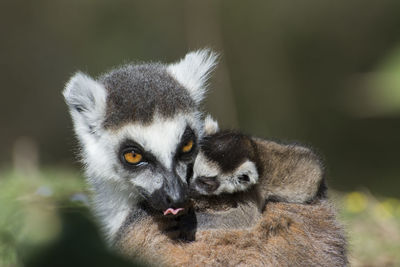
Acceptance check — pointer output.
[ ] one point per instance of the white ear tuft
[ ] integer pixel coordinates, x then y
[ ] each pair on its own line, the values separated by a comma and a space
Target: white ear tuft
249, 169
194, 70
210, 125
86, 99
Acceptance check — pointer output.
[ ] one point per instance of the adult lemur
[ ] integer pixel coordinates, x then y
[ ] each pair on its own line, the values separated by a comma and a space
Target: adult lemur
139, 128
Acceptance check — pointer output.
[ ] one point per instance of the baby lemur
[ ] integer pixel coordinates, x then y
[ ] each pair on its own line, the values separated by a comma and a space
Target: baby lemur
232, 166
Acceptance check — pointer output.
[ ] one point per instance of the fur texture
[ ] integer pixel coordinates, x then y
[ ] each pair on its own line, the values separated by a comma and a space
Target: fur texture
291, 173
149, 108
287, 235
210, 125
232, 162
136, 92
230, 229
251, 171
193, 71
146, 108
227, 211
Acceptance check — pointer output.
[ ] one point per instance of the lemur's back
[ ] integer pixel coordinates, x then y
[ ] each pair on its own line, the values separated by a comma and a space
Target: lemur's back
288, 234
284, 234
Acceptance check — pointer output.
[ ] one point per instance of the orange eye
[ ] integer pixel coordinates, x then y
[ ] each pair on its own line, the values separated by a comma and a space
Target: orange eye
132, 157
187, 147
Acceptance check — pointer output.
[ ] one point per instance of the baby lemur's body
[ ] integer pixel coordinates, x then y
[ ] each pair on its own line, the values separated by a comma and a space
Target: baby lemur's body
251, 171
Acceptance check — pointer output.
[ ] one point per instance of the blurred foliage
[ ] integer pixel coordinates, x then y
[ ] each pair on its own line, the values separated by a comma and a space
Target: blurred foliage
373, 226
44, 223
28, 205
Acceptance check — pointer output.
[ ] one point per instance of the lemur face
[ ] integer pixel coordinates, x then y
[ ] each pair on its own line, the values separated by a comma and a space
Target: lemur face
225, 164
154, 159
139, 127
210, 179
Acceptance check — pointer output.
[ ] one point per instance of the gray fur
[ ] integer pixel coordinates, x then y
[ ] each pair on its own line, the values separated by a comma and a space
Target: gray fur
137, 92
227, 211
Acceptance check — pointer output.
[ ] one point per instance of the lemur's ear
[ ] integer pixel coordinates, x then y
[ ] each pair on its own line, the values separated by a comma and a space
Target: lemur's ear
210, 125
86, 99
193, 71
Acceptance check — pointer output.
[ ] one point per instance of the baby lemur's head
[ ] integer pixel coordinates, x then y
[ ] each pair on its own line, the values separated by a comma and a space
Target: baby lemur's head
226, 163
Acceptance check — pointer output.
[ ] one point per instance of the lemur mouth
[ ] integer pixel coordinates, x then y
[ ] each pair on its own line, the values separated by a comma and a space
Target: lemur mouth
173, 211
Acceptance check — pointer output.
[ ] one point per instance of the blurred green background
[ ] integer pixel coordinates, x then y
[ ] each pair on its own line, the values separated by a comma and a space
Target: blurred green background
323, 73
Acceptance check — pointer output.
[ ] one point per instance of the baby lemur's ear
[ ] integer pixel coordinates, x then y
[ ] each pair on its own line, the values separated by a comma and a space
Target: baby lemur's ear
193, 72
86, 99
210, 125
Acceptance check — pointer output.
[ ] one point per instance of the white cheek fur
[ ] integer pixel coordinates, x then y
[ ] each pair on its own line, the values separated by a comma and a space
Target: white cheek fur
204, 167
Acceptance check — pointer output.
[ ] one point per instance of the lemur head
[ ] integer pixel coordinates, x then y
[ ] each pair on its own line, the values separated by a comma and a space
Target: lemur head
226, 162
139, 127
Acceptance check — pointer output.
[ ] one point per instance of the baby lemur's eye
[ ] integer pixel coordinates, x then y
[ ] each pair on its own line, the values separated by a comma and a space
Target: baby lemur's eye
133, 157
244, 178
187, 146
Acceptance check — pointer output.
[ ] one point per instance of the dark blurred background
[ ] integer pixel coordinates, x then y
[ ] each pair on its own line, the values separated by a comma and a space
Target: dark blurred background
324, 73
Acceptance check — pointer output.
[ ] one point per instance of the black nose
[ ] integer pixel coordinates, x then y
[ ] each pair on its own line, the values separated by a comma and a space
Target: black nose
175, 197
174, 194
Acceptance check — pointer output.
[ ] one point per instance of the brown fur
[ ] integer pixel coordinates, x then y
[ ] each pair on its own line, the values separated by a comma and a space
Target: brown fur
290, 173
288, 234
227, 211
240, 230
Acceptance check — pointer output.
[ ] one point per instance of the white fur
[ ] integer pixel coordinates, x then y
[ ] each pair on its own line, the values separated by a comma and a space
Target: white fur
161, 137
210, 125
193, 71
84, 92
111, 204
97, 153
113, 196
204, 167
